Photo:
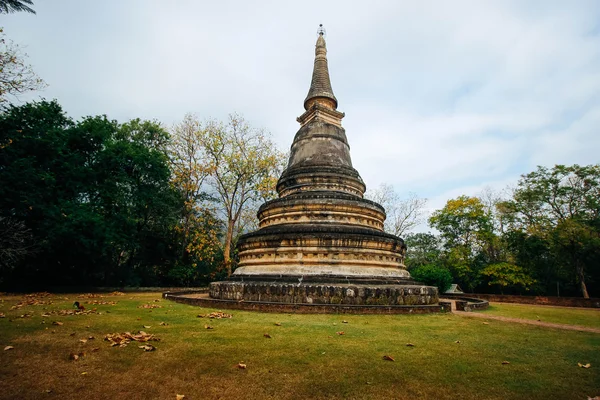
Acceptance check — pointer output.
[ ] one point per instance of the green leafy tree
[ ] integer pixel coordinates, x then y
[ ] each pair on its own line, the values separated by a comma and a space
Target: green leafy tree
506, 275
422, 249
562, 207
433, 275
466, 229
95, 194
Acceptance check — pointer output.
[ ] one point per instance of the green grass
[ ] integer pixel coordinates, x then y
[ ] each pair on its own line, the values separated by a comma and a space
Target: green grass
305, 358
559, 315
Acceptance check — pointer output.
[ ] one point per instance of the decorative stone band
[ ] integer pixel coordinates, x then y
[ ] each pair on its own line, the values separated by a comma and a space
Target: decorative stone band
320, 178
322, 209
315, 293
321, 108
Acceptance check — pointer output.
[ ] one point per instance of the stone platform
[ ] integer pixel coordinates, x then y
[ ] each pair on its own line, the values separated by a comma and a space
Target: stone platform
203, 300
323, 293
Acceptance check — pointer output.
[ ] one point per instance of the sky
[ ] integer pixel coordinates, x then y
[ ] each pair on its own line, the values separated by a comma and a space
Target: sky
442, 98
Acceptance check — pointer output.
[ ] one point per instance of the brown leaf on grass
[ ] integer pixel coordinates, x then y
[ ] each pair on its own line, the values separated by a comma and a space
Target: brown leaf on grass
8, 348
216, 314
150, 306
241, 365
72, 334
179, 396
122, 339
584, 365
147, 347
45, 315
267, 336
344, 322
83, 340
95, 349
73, 356
458, 341
84, 373
388, 358
593, 398
505, 362
341, 333
147, 327
2, 315
277, 323
91, 338
208, 327
410, 345
57, 323
486, 323
163, 324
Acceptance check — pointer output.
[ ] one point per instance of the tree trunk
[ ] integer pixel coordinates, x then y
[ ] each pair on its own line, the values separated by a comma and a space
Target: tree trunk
227, 247
581, 277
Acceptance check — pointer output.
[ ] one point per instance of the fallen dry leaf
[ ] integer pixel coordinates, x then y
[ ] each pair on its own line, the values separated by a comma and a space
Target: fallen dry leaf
2, 315
388, 358
584, 365
73, 356
241, 365
150, 306
410, 345
216, 314
8, 348
147, 327
277, 323
458, 341
179, 396
84, 373
83, 340
267, 336
164, 324
208, 327
341, 333
344, 322
147, 347
593, 398
122, 339
95, 349
91, 338
505, 362
486, 323
57, 323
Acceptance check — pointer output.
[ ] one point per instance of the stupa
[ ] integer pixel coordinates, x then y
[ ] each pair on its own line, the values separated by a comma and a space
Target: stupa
321, 242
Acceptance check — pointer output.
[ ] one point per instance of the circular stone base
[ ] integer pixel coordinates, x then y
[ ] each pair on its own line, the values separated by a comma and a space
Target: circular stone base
324, 293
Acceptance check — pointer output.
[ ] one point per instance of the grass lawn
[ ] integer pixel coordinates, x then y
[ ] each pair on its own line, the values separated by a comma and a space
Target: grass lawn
559, 315
304, 358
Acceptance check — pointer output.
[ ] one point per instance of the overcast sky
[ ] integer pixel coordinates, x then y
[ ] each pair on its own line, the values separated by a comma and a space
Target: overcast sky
442, 98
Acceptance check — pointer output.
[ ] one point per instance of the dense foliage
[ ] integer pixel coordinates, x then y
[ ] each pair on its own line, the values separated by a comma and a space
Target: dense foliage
544, 239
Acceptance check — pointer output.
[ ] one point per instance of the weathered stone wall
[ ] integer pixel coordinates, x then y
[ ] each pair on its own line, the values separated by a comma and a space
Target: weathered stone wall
314, 293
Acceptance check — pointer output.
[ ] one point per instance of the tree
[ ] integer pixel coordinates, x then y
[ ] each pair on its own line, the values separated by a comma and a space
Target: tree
562, 206
15, 243
95, 194
466, 229
506, 275
198, 228
16, 76
433, 275
11, 6
242, 165
422, 249
402, 215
